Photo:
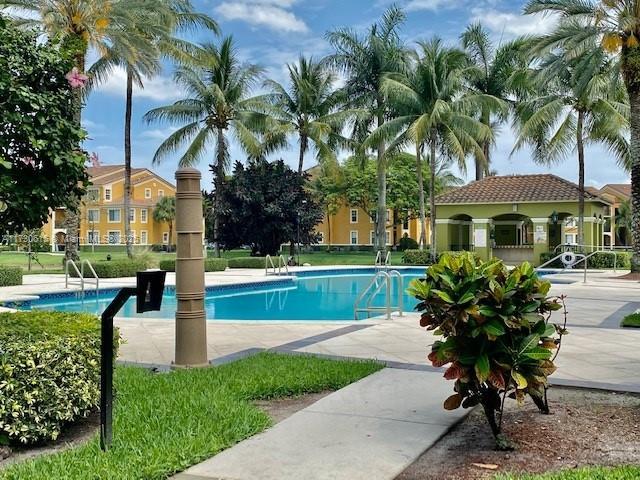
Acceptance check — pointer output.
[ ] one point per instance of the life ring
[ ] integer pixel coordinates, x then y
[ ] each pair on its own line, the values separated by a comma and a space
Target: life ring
568, 259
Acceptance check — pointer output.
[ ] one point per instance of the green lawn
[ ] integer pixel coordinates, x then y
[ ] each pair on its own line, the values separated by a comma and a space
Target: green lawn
165, 423
595, 473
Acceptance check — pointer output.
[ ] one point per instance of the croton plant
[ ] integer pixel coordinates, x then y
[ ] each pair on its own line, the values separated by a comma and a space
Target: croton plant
497, 341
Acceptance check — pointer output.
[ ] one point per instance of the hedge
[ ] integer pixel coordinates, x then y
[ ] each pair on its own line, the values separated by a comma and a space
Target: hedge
10, 276
115, 268
417, 257
599, 260
49, 373
247, 262
210, 265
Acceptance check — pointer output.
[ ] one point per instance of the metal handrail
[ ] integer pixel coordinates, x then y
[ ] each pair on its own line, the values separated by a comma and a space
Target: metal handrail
66, 274
93, 272
387, 259
268, 260
603, 248
370, 293
583, 258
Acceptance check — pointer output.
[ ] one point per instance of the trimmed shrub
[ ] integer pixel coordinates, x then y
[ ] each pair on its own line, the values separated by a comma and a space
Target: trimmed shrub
210, 265
10, 276
599, 260
631, 321
116, 268
407, 243
247, 262
49, 373
417, 257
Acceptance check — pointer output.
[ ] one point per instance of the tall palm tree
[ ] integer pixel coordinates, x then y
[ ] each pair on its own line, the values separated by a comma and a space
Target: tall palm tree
81, 25
623, 222
493, 71
581, 102
365, 60
308, 108
434, 115
218, 102
154, 40
165, 212
615, 25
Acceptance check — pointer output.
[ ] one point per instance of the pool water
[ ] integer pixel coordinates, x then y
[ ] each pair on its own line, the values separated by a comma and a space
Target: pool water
319, 296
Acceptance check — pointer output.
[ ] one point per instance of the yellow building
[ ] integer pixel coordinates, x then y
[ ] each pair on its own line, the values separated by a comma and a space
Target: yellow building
353, 227
102, 210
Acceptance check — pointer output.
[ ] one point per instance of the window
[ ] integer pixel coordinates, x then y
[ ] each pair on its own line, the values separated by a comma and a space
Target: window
147, 193
93, 194
165, 237
372, 216
160, 193
134, 237
107, 193
354, 237
372, 237
114, 215
353, 215
388, 216
114, 237
388, 237
321, 237
132, 215
93, 237
405, 223
143, 215
93, 215
144, 236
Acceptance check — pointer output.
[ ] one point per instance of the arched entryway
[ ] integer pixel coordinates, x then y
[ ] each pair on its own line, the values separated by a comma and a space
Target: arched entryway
512, 237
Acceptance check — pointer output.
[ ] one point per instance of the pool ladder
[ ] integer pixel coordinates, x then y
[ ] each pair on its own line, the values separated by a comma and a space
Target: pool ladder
270, 267
82, 280
383, 262
382, 279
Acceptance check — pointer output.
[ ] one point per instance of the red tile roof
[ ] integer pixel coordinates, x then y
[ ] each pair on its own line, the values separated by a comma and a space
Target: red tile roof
515, 188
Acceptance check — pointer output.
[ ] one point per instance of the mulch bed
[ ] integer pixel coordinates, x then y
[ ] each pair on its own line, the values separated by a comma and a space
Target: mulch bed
586, 428
629, 276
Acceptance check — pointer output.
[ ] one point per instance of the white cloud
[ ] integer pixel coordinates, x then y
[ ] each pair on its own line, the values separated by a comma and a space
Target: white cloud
158, 133
414, 5
158, 88
511, 24
264, 12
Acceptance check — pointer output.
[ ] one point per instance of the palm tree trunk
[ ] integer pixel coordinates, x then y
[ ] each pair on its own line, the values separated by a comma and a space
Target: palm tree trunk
482, 164
219, 181
634, 101
303, 148
432, 199
580, 145
423, 214
381, 173
127, 165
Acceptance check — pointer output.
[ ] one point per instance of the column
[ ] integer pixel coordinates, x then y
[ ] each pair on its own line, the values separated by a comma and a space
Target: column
540, 238
191, 327
443, 240
482, 238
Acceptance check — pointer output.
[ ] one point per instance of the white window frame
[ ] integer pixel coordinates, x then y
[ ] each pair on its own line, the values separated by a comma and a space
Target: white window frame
144, 215
132, 218
388, 215
165, 238
108, 193
93, 194
145, 234
93, 235
95, 220
160, 193
351, 237
351, 212
109, 215
372, 217
109, 233
147, 193
372, 237
387, 237
133, 237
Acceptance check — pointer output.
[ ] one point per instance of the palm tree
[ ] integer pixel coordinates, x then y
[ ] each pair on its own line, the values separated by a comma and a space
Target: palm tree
308, 108
365, 60
615, 25
218, 102
154, 39
623, 222
434, 116
581, 101
165, 212
493, 71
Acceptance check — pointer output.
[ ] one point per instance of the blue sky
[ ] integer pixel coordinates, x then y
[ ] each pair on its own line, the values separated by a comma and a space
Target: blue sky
273, 33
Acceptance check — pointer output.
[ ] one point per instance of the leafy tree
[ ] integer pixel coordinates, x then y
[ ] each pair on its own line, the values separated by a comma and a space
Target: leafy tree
434, 113
580, 102
41, 166
218, 102
615, 25
365, 60
623, 222
495, 70
165, 212
262, 206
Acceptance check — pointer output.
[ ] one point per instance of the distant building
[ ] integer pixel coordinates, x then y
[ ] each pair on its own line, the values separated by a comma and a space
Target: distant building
102, 210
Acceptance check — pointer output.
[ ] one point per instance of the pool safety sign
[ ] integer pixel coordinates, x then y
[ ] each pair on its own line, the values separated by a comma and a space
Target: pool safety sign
540, 235
480, 237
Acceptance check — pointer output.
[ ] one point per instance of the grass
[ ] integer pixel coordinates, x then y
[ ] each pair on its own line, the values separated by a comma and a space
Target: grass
593, 473
53, 262
631, 321
165, 423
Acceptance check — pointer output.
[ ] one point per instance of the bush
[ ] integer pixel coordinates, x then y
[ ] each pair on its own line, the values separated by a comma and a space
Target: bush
158, 247
417, 257
247, 262
49, 373
631, 321
407, 243
116, 268
210, 265
598, 260
10, 276
497, 340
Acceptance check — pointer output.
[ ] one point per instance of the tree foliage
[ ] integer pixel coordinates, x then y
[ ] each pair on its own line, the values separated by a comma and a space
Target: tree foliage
40, 164
262, 204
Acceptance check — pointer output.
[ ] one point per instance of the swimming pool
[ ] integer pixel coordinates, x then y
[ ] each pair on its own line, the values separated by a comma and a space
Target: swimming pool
324, 295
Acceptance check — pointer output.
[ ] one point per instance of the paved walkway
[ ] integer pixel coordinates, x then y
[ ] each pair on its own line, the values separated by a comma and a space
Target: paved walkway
370, 430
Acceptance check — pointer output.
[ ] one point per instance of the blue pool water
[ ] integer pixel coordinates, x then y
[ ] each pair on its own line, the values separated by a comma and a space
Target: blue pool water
320, 296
